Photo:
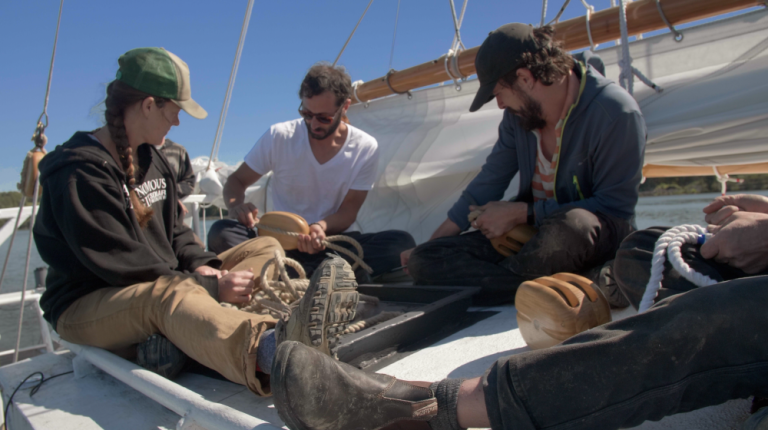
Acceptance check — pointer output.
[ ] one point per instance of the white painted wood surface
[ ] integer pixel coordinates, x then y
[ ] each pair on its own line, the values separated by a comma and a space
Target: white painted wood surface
99, 401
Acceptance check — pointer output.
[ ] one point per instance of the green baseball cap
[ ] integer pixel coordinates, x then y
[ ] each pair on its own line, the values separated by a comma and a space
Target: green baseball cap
499, 54
160, 73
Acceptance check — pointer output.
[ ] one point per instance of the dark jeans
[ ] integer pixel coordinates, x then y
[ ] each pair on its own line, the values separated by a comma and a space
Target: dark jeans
571, 240
689, 351
381, 250
632, 267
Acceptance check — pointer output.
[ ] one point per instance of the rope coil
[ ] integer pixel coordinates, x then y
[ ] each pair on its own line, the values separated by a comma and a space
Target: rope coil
357, 258
276, 295
669, 246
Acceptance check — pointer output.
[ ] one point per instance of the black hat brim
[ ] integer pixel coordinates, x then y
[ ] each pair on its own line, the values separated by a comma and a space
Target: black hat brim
483, 96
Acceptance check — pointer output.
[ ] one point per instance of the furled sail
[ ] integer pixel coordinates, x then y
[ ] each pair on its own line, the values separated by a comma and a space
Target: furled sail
713, 112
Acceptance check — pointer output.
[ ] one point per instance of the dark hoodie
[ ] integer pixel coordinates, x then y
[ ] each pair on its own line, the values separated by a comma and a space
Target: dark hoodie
88, 233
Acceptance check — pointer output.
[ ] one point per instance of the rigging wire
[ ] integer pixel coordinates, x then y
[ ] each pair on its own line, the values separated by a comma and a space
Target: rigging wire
50, 69
394, 35
230, 86
559, 13
461, 21
353, 33
543, 12
457, 25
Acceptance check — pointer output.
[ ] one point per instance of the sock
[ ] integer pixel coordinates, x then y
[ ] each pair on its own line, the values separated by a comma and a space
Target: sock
447, 394
265, 355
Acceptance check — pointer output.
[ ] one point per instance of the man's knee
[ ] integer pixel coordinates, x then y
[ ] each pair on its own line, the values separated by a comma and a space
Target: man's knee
573, 223
224, 234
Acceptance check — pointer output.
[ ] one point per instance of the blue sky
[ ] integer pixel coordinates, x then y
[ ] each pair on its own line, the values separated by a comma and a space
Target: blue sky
284, 39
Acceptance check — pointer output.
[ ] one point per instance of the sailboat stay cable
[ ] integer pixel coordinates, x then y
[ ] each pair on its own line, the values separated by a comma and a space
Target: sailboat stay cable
457, 26
543, 12
50, 69
559, 13
352, 34
394, 35
461, 21
26, 268
230, 86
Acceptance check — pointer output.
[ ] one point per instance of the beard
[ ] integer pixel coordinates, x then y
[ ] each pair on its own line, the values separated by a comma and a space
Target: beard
531, 115
324, 135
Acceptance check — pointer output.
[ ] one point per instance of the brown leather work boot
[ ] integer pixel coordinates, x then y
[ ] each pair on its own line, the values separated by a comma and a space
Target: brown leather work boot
325, 311
314, 391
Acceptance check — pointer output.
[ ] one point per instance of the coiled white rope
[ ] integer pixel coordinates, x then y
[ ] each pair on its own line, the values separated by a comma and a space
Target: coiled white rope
669, 246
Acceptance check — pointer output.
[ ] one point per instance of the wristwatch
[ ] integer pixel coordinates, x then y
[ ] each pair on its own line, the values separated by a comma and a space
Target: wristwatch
531, 216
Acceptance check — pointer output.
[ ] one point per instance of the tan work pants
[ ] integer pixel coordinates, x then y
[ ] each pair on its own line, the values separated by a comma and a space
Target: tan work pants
222, 339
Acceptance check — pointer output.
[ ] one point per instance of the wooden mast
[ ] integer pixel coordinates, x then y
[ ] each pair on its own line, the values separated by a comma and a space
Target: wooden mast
642, 17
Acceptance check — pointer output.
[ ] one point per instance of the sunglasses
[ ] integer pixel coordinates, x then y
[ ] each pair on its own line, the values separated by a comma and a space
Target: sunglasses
321, 118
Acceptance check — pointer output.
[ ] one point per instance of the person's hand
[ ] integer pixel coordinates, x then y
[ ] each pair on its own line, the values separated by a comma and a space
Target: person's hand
312, 243
184, 210
740, 241
743, 202
236, 287
404, 257
499, 217
245, 214
208, 271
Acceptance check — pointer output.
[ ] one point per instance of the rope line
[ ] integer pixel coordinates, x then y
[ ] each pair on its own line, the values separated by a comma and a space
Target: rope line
230, 86
669, 246
626, 77
590, 11
357, 258
456, 25
352, 34
13, 237
370, 322
559, 13
26, 266
394, 35
50, 69
678, 36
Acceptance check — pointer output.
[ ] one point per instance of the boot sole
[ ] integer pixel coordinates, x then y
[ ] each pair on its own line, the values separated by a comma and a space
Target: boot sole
334, 304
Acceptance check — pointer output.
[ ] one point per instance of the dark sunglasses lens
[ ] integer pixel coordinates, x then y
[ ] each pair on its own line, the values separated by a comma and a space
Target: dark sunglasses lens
323, 119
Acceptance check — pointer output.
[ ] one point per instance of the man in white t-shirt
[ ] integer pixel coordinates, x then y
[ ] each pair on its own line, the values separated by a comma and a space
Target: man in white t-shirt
322, 170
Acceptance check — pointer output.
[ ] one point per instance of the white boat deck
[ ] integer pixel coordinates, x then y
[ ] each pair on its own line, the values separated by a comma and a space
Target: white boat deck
99, 401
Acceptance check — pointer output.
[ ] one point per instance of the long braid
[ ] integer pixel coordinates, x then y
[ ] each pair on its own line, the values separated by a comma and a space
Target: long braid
119, 97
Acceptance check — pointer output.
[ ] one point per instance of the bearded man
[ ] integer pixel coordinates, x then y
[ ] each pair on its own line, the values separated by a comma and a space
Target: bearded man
577, 140
322, 170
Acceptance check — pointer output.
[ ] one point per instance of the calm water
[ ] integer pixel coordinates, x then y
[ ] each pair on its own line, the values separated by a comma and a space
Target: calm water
651, 211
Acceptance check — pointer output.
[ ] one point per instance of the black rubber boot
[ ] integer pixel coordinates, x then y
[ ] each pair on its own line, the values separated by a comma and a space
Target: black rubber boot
314, 391
157, 354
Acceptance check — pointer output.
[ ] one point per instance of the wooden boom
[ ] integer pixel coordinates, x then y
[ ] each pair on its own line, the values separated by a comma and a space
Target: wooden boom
642, 17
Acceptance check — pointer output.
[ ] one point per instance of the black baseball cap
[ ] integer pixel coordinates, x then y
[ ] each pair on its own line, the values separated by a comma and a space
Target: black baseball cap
499, 54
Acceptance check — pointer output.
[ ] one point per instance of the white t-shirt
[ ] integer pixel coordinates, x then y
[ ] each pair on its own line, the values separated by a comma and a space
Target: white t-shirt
302, 185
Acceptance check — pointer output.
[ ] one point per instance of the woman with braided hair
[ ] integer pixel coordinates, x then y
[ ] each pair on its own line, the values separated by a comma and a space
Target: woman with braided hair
125, 270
